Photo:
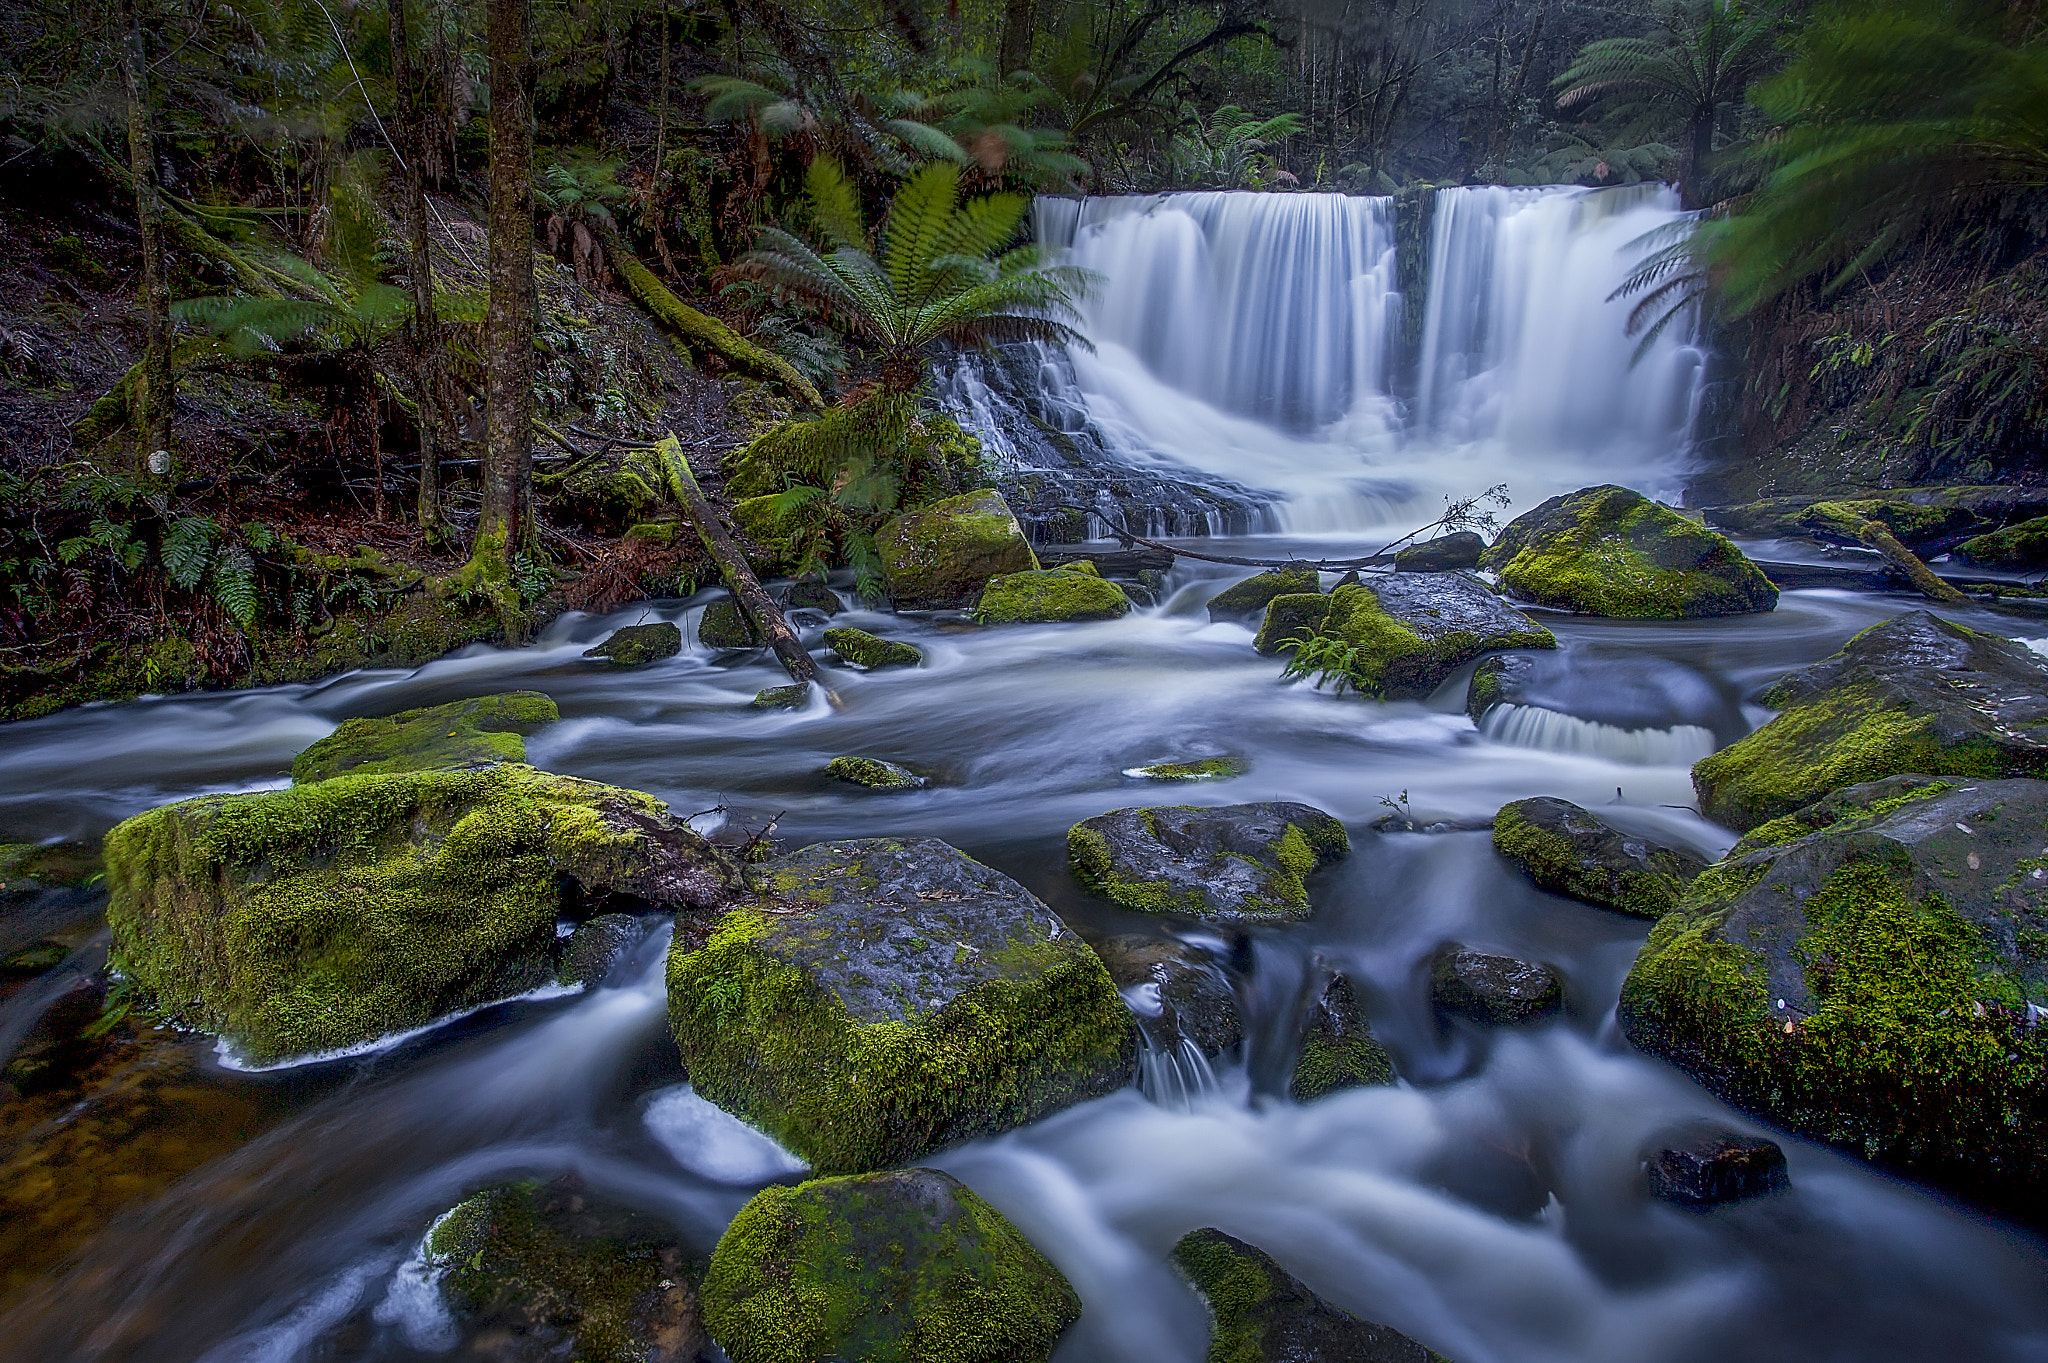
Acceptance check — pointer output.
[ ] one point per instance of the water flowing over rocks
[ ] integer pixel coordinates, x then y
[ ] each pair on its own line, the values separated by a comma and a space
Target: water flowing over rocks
638, 645
1178, 992
1051, 596
1229, 864
942, 555
1703, 1164
1913, 694
1574, 852
1338, 1049
1398, 636
1497, 991
909, 1266
1256, 592
1261, 1313
487, 729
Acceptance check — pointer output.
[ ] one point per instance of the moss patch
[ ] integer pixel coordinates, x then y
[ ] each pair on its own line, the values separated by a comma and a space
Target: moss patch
1050, 596
1202, 769
1257, 592
2019, 548
460, 733
1289, 621
873, 773
638, 645
871, 651
944, 554
1261, 1313
1233, 862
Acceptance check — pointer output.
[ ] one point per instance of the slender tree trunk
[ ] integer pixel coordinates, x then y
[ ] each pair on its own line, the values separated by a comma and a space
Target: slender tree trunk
509, 324
150, 410
1019, 20
425, 331
1695, 187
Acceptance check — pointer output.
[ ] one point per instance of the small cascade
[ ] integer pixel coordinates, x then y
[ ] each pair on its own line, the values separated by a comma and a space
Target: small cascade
1532, 726
1174, 1076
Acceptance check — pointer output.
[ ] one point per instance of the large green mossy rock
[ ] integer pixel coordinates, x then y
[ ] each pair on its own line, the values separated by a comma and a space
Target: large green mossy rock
1914, 693
486, 729
942, 555
1290, 620
328, 915
638, 645
565, 1274
1398, 636
1612, 551
2017, 548
1048, 596
893, 997
1261, 1313
871, 651
1256, 592
1862, 972
1573, 852
1231, 863
908, 1266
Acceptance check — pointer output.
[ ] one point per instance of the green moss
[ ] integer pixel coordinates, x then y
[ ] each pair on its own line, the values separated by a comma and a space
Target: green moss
486, 729
863, 649
1299, 848
724, 626
1203, 769
1258, 591
1377, 654
792, 697
1060, 595
1328, 1064
1239, 1289
873, 773
943, 554
1556, 864
1290, 620
704, 334
1909, 521
638, 645
2021, 548
1828, 813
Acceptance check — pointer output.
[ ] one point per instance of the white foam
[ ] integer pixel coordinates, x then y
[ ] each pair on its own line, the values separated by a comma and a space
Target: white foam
413, 1303
712, 1143
231, 1059
1532, 726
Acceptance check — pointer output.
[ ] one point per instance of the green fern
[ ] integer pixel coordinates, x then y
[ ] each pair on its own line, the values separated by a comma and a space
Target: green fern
188, 550
1329, 660
234, 585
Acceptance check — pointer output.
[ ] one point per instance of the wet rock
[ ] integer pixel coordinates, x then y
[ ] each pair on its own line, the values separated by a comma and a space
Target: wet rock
539, 1272
1397, 636
1444, 554
1611, 551
1913, 694
1863, 973
893, 997
1499, 991
637, 645
1922, 518
811, 595
1256, 592
1290, 620
1575, 853
1704, 1164
1231, 863
943, 555
897, 1267
793, 697
35, 958
460, 733
1178, 992
1338, 1049
1199, 769
2017, 548
873, 773
1499, 680
597, 946
1263, 1314
331, 914
27, 867
1050, 596
724, 626
871, 651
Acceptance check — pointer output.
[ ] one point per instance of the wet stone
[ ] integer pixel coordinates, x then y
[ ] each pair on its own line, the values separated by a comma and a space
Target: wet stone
1573, 852
792, 697
1177, 991
1230, 863
1704, 1164
1397, 636
873, 773
1446, 553
814, 596
723, 626
1195, 769
871, 651
1338, 1049
1499, 991
637, 645
1263, 1314
595, 947
1256, 592
460, 733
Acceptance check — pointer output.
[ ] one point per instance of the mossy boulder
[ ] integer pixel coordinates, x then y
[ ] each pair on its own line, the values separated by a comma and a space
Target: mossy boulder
812, 595
792, 697
567, 1274
871, 651
1230, 863
1397, 636
1612, 551
613, 493
909, 1266
1869, 974
638, 645
1178, 991
943, 555
724, 626
1491, 989
894, 997
1338, 1049
1501, 679
1261, 1313
1050, 596
1573, 852
460, 733
873, 773
2017, 548
328, 915
1913, 694
1256, 592
1290, 620
1444, 554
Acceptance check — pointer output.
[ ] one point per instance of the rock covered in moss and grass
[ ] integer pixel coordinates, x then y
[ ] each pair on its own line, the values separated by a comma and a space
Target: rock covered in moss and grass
564, 1273
1289, 621
1495, 990
1261, 1313
811, 594
1502, 679
1612, 551
1195, 769
460, 733
871, 651
1256, 592
637, 645
1573, 852
1704, 1164
1228, 863
724, 626
328, 915
909, 1266
1913, 694
1397, 636
1921, 517
795, 696
1444, 554
2017, 548
1338, 1049
1867, 973
890, 998
942, 555
1178, 992
1047, 596
873, 773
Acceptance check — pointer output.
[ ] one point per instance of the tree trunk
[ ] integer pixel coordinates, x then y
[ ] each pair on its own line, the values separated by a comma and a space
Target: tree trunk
1910, 565
150, 409
1019, 20
425, 332
1695, 186
505, 522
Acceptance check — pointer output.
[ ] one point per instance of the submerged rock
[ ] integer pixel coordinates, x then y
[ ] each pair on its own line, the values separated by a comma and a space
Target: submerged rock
893, 997
28, 868
1444, 554
1200, 769
460, 733
1338, 1049
943, 555
1289, 621
1612, 551
1499, 991
1913, 694
328, 915
873, 773
1230, 863
1050, 596
1866, 973
1178, 992
637, 645
1397, 636
2017, 548
871, 651
1263, 1314
909, 1266
724, 626
1704, 1164
1256, 592
1573, 852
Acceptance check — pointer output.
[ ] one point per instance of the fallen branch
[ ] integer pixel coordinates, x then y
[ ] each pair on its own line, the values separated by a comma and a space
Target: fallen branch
1910, 564
700, 331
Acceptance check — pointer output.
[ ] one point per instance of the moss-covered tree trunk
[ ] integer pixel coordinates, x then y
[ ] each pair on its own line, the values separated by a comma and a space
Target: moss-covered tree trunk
150, 400
509, 324
1019, 20
424, 337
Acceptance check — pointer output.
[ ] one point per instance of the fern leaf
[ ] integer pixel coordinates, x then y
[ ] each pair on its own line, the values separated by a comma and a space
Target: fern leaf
188, 549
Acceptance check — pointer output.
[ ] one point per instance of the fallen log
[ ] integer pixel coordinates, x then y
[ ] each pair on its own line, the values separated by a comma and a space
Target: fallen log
701, 332
1910, 564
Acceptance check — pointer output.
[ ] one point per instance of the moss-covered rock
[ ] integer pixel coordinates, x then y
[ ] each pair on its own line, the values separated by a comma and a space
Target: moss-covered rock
637, 645
1864, 976
873, 773
1842, 521
1050, 596
2018, 548
871, 651
1256, 592
792, 697
1612, 551
1177, 991
1233, 863
812, 595
1913, 694
568, 1275
613, 493
1261, 1313
1574, 852
943, 555
1289, 620
1397, 636
1500, 679
1921, 517
908, 1266
771, 528
1498, 991
1199, 769
1338, 1049
460, 733
894, 997
1444, 554
331, 914
26, 867
724, 625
